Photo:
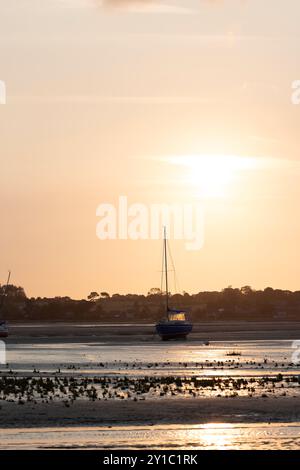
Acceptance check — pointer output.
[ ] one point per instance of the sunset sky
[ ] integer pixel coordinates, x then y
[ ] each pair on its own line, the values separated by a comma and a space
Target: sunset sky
137, 98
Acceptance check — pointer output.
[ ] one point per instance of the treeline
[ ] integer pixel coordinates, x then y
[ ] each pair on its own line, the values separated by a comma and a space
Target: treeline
229, 304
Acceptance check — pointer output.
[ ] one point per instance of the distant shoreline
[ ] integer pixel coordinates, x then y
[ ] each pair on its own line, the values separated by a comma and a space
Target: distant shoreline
126, 332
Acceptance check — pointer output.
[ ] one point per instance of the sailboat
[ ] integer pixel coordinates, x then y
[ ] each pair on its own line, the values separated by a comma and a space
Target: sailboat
3, 323
176, 324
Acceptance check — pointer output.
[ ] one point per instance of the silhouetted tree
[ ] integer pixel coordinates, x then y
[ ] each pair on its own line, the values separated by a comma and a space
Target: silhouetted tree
104, 295
154, 291
93, 296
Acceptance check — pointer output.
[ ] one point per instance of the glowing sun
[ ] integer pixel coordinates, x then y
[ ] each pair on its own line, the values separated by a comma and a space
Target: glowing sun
212, 174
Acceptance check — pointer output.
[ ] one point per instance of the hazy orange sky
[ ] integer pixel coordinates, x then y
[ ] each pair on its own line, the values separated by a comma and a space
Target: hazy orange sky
102, 95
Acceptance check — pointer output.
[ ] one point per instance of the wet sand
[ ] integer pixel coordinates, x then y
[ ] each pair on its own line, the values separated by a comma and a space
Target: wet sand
170, 411
126, 333
56, 348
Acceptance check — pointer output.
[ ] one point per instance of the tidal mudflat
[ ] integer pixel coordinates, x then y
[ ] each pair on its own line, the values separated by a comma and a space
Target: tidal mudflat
125, 391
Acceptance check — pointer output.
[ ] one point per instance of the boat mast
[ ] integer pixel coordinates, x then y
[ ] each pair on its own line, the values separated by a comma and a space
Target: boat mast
166, 268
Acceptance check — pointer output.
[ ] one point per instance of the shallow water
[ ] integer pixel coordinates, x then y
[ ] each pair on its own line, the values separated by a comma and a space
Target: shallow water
210, 436
265, 358
252, 357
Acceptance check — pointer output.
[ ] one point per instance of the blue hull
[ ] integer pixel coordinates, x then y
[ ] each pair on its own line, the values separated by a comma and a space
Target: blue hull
169, 330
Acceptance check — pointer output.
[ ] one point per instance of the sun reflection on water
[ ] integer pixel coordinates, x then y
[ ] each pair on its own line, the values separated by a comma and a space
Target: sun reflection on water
211, 436
218, 436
